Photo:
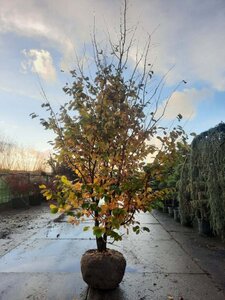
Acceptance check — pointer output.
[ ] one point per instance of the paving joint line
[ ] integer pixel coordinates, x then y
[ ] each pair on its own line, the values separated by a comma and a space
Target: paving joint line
194, 261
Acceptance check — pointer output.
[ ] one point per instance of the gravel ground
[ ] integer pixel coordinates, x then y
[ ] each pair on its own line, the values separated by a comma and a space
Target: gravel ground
16, 225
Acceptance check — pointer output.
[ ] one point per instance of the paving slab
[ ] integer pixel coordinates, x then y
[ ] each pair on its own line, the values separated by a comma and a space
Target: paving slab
207, 252
47, 255
157, 232
146, 218
20, 224
65, 230
169, 223
148, 286
42, 286
160, 256
47, 266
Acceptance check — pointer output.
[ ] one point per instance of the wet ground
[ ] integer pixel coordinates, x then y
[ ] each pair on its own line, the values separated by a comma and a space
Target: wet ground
16, 225
42, 260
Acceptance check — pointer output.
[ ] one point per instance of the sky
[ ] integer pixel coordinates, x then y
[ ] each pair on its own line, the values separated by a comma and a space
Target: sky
38, 39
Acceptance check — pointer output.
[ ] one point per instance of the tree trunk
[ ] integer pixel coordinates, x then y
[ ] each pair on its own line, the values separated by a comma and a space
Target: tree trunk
101, 243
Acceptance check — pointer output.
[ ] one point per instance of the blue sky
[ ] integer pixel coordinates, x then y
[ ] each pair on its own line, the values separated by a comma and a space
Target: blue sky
39, 38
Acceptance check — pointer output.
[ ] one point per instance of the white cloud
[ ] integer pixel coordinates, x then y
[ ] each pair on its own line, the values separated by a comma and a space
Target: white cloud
190, 36
190, 33
39, 61
37, 22
183, 102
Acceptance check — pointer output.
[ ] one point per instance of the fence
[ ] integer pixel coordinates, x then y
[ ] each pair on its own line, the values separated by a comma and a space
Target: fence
6, 192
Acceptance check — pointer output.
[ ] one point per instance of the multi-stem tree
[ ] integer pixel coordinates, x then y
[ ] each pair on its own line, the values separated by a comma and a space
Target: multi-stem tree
104, 135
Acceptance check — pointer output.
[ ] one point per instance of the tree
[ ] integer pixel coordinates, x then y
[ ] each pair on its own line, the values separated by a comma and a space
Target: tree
15, 157
61, 169
104, 135
165, 171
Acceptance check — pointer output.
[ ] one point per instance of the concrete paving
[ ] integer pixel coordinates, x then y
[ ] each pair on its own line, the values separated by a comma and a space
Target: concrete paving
170, 262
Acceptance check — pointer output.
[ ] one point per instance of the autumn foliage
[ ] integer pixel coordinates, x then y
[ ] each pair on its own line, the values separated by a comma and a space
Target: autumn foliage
103, 134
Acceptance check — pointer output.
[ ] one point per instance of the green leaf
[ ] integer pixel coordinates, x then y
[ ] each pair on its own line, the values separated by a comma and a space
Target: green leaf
118, 211
95, 207
115, 223
85, 205
70, 213
53, 209
33, 115
115, 235
98, 231
86, 228
146, 229
78, 215
136, 228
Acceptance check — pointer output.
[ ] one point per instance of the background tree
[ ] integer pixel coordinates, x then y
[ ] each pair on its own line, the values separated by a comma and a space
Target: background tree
15, 157
61, 168
165, 170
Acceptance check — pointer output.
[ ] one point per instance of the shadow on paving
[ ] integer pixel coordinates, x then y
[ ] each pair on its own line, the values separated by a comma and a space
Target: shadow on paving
159, 265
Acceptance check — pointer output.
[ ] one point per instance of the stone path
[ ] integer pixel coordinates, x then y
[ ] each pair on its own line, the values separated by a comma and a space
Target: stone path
16, 225
168, 263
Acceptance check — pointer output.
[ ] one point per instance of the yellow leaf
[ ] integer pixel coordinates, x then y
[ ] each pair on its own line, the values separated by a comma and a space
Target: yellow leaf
67, 207
52, 206
65, 180
42, 186
96, 180
77, 186
48, 195
73, 220
77, 172
86, 195
75, 203
138, 201
104, 208
71, 196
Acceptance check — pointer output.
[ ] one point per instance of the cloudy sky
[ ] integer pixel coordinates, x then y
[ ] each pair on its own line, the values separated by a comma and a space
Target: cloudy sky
39, 38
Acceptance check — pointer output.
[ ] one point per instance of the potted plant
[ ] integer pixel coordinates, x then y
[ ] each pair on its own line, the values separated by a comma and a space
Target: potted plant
111, 206
176, 213
201, 211
103, 134
19, 188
